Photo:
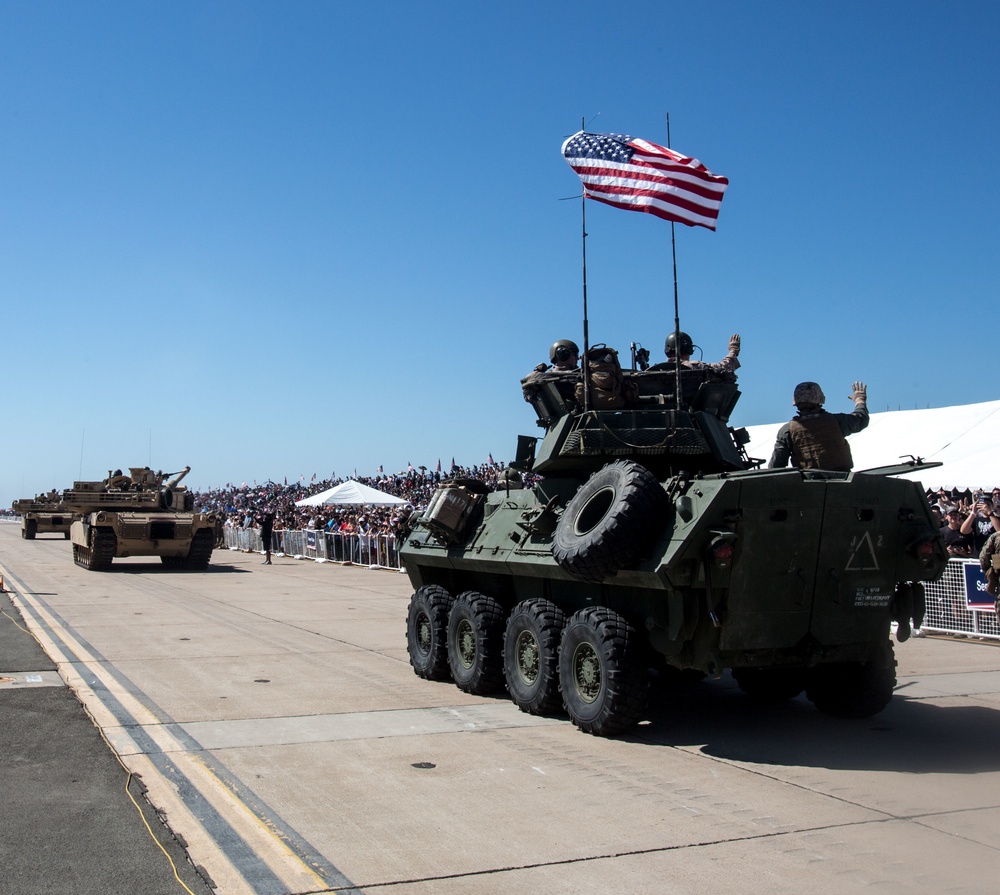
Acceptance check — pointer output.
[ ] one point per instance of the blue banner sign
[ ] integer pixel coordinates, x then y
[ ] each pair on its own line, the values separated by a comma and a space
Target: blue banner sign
976, 597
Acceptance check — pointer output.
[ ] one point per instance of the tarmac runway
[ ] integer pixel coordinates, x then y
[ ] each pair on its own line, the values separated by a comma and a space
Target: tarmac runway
279, 742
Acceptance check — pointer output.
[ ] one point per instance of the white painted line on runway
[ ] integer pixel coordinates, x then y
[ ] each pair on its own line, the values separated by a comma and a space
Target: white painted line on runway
285, 731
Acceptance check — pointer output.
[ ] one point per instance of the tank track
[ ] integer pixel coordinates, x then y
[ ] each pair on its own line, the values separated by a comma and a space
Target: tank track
97, 557
201, 549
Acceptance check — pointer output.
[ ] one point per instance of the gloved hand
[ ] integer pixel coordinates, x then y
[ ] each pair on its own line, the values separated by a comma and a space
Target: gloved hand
734, 345
860, 395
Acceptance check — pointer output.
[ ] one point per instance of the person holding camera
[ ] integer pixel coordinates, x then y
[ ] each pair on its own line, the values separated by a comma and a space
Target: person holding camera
981, 521
956, 542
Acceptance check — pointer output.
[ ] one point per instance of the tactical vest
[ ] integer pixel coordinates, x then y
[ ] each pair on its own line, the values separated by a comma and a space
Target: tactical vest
818, 443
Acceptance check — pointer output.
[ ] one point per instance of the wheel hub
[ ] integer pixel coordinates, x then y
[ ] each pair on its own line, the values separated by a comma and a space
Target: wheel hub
587, 672
528, 657
466, 643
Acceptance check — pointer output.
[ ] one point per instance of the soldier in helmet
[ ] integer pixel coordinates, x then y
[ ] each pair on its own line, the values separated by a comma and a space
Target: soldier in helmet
680, 343
815, 438
564, 355
565, 371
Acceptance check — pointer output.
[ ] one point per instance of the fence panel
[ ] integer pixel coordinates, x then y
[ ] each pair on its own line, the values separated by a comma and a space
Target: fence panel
374, 551
958, 602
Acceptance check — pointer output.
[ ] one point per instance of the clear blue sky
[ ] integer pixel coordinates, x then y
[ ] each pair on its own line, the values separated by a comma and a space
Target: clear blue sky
278, 239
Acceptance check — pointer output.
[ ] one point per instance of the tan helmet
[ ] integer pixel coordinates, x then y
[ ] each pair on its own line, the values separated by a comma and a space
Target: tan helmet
808, 393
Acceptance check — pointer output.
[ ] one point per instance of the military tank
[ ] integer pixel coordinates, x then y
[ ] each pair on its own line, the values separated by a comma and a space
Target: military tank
144, 513
43, 514
652, 545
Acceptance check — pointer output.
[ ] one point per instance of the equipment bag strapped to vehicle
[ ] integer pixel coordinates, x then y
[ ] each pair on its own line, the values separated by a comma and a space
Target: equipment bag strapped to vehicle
609, 390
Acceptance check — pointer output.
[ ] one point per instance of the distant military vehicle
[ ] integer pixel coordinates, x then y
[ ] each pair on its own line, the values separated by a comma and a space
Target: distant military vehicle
43, 514
141, 514
652, 541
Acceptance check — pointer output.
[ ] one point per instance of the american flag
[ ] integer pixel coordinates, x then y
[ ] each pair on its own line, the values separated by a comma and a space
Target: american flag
640, 176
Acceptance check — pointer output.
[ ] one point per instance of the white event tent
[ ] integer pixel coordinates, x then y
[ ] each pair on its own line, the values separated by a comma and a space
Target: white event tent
351, 492
965, 438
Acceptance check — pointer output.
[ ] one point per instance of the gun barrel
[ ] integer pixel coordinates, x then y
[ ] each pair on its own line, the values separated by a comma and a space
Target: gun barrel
178, 476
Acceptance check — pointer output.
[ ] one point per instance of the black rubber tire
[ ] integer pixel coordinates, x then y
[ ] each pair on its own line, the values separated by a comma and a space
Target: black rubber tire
531, 656
854, 689
602, 673
427, 632
475, 643
29, 530
610, 521
771, 684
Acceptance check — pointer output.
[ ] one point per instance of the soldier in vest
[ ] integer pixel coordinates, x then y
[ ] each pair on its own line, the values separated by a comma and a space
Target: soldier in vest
817, 439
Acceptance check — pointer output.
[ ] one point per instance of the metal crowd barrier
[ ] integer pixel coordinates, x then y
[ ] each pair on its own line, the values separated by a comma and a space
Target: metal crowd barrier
956, 604
374, 551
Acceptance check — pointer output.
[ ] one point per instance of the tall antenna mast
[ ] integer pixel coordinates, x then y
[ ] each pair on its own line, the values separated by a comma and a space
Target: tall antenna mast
586, 323
677, 313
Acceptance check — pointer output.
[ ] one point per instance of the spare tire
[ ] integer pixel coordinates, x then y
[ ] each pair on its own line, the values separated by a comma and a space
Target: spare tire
610, 521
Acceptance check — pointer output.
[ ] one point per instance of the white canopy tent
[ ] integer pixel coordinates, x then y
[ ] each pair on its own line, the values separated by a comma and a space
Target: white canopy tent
965, 438
351, 492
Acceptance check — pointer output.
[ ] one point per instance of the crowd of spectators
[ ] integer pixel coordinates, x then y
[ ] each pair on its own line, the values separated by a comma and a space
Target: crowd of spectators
967, 518
242, 506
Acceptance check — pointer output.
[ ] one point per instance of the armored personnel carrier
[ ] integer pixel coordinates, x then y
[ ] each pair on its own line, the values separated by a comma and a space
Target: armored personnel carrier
652, 544
43, 514
141, 514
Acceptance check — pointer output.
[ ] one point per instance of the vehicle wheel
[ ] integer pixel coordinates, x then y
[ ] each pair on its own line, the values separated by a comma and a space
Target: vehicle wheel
66, 535
29, 529
770, 684
427, 632
854, 689
609, 522
531, 656
475, 643
601, 672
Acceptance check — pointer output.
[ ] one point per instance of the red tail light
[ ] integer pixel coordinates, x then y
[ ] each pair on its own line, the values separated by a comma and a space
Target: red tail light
722, 552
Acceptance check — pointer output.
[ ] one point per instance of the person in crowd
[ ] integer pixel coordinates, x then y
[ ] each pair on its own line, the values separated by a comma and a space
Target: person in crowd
955, 542
816, 438
266, 521
981, 521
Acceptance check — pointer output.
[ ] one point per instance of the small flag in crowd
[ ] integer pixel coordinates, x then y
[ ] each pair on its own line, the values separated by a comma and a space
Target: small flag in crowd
640, 176
409, 467
380, 469
439, 464
491, 459
453, 467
